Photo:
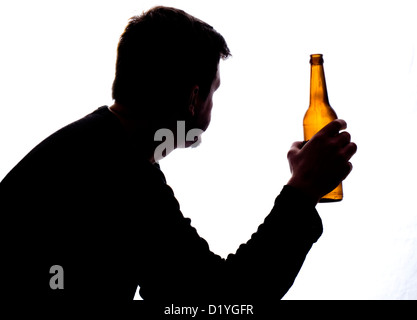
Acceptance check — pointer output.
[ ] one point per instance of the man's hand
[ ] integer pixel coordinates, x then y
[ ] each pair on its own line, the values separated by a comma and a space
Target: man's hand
323, 162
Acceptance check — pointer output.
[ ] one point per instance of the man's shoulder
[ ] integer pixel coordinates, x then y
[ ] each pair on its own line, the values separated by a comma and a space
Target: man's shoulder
97, 125
79, 138
90, 153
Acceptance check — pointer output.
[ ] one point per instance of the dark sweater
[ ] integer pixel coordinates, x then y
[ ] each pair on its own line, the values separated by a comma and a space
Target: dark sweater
86, 199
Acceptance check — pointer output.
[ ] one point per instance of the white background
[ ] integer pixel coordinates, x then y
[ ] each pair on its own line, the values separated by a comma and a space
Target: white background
57, 64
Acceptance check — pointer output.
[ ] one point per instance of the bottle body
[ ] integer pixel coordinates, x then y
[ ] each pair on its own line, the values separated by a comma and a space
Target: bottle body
319, 113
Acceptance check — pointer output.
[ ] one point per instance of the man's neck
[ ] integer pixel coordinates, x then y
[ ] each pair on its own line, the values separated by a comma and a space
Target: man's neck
137, 129
123, 114
134, 127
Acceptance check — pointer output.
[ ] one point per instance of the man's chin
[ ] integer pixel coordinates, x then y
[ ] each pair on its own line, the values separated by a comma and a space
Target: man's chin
194, 144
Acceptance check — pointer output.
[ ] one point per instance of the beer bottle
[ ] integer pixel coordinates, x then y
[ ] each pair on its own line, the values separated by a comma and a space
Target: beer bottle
319, 113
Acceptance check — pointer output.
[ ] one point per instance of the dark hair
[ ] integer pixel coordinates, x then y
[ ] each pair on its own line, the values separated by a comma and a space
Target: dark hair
161, 55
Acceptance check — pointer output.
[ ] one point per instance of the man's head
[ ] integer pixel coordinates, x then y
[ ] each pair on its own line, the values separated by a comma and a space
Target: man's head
166, 58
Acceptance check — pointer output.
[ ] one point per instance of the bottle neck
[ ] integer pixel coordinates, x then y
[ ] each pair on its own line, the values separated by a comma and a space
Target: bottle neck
318, 89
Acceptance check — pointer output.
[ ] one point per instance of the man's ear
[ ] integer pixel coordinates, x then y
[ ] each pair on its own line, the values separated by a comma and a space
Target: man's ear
193, 99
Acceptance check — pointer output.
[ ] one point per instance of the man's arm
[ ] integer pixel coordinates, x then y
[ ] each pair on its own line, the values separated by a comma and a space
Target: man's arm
179, 266
266, 266
182, 268
269, 263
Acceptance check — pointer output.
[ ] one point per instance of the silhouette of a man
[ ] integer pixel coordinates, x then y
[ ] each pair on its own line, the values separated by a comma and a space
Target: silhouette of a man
92, 201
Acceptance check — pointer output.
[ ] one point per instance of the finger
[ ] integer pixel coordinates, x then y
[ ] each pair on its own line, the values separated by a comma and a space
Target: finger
343, 138
350, 166
334, 127
349, 150
348, 170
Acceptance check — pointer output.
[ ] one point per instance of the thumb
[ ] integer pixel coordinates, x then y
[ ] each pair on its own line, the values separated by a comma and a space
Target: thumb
297, 145
333, 128
295, 148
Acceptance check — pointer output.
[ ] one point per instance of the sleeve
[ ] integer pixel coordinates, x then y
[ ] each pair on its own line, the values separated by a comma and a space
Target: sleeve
267, 265
180, 267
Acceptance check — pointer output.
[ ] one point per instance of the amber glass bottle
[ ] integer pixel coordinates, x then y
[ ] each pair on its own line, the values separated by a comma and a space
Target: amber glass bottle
319, 113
